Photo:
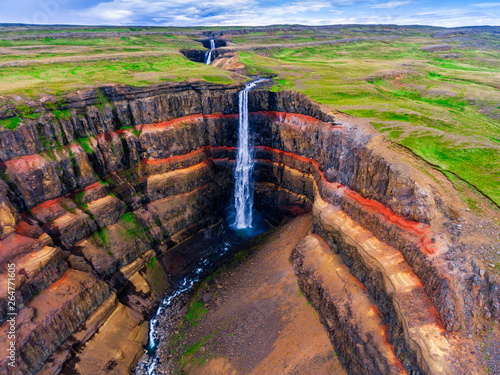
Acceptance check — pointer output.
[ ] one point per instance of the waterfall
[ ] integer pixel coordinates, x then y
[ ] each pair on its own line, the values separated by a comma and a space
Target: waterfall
243, 190
208, 54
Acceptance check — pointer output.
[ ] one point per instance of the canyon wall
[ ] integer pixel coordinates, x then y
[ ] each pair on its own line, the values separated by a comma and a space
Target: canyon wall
199, 55
98, 188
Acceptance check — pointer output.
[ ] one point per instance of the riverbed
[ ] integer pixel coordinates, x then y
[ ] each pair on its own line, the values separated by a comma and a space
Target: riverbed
250, 317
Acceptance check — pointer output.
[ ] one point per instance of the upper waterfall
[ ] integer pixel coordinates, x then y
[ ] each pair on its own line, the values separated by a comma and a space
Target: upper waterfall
208, 54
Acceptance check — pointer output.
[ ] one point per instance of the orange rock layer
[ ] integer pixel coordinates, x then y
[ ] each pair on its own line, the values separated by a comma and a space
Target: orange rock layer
92, 208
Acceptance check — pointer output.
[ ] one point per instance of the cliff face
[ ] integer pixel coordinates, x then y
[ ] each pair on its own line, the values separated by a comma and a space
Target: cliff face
199, 55
104, 184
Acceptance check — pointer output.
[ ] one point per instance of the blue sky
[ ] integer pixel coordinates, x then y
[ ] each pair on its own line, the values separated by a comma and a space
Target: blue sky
445, 13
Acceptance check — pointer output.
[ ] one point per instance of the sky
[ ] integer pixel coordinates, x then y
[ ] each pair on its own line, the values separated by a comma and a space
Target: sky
446, 13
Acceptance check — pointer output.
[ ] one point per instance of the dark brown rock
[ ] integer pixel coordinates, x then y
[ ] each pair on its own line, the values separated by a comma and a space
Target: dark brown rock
132, 172
51, 317
354, 324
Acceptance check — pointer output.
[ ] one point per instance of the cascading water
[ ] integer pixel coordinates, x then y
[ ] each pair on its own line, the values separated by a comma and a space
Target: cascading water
221, 248
208, 54
243, 191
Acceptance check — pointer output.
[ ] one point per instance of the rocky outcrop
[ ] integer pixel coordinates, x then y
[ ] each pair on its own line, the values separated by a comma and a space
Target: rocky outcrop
101, 187
50, 318
356, 327
218, 42
416, 333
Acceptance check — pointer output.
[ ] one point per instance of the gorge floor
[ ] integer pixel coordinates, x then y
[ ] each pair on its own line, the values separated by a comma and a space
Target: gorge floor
251, 318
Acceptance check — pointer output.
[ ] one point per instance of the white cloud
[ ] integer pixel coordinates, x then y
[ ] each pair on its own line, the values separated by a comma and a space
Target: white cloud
249, 12
391, 4
486, 5
301, 7
448, 17
115, 15
130, 11
212, 12
346, 3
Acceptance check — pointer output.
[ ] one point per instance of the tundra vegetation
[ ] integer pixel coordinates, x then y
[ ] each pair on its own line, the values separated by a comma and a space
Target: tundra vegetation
433, 91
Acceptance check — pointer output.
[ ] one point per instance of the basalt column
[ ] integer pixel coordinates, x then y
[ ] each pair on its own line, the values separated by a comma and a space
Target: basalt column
96, 196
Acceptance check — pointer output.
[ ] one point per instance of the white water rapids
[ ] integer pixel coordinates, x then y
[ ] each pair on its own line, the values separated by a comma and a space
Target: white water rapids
187, 283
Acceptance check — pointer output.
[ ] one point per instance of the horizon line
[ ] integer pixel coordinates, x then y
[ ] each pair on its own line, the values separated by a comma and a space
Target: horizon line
2, 24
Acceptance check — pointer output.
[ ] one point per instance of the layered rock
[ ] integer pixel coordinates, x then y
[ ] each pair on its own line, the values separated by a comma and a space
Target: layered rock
417, 333
199, 55
101, 187
50, 318
356, 327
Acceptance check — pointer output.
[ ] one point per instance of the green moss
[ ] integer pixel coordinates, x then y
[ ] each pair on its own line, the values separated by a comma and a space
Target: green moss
45, 141
85, 143
280, 84
472, 204
102, 234
11, 123
193, 353
399, 116
64, 114
196, 311
4, 176
6, 43
129, 217
457, 66
78, 198
299, 292
102, 100
241, 256
133, 130
176, 342
449, 102
101, 239
152, 263
134, 228
50, 106
494, 139
193, 349
23, 110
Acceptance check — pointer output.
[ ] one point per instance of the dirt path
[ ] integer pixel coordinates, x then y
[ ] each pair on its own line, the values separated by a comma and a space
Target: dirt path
255, 320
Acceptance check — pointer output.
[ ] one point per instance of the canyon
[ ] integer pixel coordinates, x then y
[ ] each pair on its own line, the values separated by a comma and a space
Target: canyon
100, 190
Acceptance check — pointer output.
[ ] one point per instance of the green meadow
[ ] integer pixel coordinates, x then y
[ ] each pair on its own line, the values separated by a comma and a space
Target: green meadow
445, 110
441, 103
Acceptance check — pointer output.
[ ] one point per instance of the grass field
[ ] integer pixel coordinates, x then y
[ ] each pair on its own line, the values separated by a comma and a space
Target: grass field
56, 66
444, 109
442, 103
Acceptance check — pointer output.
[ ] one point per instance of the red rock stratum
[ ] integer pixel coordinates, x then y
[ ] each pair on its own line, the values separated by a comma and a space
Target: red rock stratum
93, 204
